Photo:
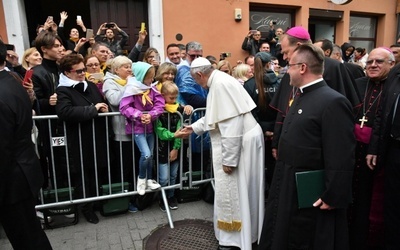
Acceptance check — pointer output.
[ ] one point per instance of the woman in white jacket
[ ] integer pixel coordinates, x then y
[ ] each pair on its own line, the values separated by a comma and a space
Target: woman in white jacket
114, 86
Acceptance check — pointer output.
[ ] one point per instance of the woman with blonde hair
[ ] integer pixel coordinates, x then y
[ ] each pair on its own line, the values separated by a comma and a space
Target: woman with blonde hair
242, 73
31, 58
225, 66
166, 72
114, 86
152, 57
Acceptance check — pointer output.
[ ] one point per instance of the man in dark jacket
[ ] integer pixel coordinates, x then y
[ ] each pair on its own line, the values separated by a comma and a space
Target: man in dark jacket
252, 42
115, 45
20, 176
45, 81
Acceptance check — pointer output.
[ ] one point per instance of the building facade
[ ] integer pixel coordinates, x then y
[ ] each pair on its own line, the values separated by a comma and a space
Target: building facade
220, 25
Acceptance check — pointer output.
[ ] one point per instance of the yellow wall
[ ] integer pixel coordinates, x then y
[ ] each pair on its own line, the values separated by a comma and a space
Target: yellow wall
211, 22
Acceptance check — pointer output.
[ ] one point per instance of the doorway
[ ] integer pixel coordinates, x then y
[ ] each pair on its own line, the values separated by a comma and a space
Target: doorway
320, 29
128, 14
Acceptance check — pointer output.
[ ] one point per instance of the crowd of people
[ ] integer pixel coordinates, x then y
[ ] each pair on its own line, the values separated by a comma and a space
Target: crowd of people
291, 106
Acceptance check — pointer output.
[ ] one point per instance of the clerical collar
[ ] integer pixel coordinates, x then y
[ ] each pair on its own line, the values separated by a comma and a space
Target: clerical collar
380, 81
309, 84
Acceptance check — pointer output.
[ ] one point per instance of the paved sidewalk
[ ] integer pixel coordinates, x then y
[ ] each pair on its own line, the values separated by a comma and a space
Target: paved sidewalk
125, 231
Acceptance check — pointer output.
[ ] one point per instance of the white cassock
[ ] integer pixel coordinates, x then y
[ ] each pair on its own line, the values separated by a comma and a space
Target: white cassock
237, 140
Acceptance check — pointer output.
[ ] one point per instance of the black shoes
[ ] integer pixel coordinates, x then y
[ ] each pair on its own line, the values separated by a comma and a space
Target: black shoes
173, 203
91, 216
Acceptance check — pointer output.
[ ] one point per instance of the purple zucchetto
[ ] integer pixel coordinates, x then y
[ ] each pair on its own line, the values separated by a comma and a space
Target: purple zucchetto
299, 33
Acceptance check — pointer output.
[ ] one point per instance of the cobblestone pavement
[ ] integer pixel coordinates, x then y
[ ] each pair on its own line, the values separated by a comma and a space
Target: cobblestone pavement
125, 231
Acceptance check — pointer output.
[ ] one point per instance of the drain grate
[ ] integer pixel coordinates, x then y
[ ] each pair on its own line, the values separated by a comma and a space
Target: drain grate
187, 234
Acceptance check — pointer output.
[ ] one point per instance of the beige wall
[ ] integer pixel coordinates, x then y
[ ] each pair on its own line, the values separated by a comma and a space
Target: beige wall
212, 23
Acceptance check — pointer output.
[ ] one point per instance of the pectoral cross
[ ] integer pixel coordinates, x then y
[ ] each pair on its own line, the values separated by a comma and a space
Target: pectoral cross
362, 120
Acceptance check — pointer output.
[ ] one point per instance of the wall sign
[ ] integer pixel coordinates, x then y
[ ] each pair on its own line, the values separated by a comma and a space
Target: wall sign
260, 20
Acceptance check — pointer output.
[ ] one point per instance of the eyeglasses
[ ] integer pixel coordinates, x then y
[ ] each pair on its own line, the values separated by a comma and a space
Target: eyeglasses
92, 64
194, 56
294, 64
377, 61
78, 71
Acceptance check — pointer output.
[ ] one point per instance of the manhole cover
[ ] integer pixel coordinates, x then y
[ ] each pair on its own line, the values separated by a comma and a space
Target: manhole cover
187, 234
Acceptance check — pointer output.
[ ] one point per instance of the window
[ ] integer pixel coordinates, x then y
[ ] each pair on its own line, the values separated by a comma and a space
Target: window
362, 32
262, 14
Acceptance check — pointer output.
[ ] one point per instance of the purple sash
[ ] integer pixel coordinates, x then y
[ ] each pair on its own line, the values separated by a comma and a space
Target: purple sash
362, 134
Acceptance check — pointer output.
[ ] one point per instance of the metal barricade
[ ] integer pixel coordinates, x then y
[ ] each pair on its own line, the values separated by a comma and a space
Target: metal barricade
56, 152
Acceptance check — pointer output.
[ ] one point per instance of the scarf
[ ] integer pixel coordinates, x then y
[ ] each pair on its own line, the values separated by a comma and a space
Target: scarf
75, 40
134, 87
171, 108
121, 82
146, 98
103, 67
158, 85
64, 81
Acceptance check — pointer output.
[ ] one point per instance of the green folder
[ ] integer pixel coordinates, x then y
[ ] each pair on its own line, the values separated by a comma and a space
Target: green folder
310, 186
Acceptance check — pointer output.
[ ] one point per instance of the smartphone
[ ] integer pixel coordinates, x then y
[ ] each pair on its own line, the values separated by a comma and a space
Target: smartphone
109, 25
28, 75
79, 18
50, 18
10, 47
89, 34
253, 31
97, 76
142, 27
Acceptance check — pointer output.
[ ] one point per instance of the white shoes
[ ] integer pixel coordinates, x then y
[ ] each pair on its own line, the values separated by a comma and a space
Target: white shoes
153, 185
141, 186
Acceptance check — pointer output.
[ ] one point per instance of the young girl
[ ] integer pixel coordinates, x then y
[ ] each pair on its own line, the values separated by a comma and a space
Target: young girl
141, 105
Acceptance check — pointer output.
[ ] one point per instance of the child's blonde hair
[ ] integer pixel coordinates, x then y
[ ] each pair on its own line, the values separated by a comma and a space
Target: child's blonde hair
169, 88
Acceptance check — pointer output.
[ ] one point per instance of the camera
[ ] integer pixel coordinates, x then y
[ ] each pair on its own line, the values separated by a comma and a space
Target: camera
224, 55
109, 25
274, 22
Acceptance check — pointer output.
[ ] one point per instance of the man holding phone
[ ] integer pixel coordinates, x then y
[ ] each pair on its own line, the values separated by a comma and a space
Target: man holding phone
252, 42
274, 41
115, 45
12, 61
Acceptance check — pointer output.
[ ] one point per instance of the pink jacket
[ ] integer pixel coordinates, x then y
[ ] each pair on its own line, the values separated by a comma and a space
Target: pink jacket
132, 108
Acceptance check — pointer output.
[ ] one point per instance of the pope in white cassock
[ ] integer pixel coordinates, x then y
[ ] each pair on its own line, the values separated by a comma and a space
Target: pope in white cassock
238, 157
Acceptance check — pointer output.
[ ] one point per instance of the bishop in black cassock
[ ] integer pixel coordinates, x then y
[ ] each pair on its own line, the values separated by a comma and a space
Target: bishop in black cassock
317, 134
366, 219
335, 75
